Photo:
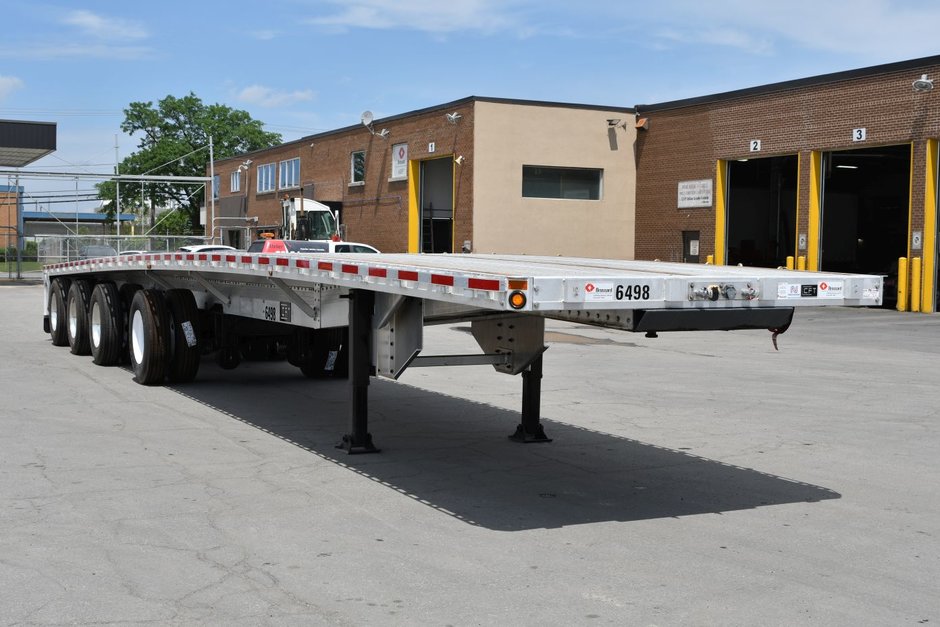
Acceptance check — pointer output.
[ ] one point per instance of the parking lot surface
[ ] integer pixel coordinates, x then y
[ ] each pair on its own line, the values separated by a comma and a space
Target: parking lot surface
694, 479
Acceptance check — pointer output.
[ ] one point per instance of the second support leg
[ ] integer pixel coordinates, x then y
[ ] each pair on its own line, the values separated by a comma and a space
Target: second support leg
361, 305
530, 429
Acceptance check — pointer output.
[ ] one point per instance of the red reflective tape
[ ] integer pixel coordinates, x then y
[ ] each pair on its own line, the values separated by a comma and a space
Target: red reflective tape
190, 257
324, 265
349, 268
179, 257
264, 260
283, 261
167, 257
442, 279
407, 275
483, 284
246, 259
303, 263
216, 258
379, 272
203, 257
230, 258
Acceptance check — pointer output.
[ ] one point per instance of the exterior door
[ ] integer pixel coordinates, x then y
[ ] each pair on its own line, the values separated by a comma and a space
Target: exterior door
690, 246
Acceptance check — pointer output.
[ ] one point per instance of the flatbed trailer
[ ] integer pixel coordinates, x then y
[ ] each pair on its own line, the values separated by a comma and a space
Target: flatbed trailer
362, 315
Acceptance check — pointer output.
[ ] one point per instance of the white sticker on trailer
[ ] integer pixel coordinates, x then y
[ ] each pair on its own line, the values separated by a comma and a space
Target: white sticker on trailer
830, 289
598, 291
788, 290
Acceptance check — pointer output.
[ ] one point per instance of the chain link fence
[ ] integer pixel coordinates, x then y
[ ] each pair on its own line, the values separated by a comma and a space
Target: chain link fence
60, 248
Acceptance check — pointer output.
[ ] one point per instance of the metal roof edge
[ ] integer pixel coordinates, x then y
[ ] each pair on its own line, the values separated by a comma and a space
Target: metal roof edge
438, 107
820, 79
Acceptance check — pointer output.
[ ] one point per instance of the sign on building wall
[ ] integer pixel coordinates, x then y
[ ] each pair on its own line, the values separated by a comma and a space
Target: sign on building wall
695, 194
399, 161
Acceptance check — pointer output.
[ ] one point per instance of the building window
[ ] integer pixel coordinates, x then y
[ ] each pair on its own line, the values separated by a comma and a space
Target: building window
573, 183
290, 174
215, 186
357, 168
236, 183
266, 178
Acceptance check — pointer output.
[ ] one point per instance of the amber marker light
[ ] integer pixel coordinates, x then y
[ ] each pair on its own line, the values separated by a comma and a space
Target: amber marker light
517, 300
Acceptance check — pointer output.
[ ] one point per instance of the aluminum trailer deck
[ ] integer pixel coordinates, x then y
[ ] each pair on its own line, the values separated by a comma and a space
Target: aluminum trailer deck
192, 303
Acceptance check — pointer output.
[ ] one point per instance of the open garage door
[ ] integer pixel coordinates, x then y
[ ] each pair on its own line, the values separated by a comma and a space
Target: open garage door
865, 208
762, 211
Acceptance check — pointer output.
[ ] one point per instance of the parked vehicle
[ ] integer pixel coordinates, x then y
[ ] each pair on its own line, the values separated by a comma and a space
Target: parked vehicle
202, 248
306, 246
362, 316
91, 252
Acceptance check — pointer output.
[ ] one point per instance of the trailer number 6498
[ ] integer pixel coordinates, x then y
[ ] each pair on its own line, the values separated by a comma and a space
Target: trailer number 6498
632, 292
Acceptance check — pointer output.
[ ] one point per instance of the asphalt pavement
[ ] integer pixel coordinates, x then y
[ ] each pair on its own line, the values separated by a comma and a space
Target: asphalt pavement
694, 479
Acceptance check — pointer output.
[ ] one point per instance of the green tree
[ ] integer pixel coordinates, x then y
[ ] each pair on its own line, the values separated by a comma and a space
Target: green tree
173, 222
174, 141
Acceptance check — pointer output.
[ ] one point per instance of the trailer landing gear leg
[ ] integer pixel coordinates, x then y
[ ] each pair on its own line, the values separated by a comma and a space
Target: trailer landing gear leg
359, 440
530, 429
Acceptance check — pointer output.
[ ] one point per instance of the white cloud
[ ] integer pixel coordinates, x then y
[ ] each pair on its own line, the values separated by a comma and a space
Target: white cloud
9, 84
876, 29
74, 50
267, 97
264, 35
102, 27
424, 15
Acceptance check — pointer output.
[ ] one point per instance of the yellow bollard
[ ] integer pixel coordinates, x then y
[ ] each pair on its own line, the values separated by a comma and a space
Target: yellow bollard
710, 260
789, 262
902, 284
801, 262
915, 284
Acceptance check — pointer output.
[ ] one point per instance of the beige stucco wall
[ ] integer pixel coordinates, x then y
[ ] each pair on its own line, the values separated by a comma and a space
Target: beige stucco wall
508, 136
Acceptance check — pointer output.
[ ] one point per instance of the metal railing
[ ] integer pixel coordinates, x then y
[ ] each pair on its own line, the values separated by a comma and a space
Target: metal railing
61, 248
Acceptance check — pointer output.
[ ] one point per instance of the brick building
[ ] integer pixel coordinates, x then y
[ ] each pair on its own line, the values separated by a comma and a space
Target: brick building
838, 171
477, 174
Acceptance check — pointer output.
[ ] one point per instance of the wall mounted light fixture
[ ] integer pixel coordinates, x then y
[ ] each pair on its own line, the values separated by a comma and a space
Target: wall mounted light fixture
922, 84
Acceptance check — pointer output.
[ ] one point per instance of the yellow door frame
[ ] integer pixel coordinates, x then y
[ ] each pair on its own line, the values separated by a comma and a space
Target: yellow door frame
929, 273
815, 210
414, 216
721, 212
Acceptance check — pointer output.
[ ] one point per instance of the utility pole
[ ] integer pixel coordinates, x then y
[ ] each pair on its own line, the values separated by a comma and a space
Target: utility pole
117, 189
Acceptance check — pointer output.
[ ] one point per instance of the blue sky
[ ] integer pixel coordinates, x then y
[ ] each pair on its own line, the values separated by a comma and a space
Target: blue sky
306, 66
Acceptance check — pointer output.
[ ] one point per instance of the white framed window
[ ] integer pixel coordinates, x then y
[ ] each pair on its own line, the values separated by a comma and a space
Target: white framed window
266, 178
235, 184
357, 168
289, 175
571, 183
215, 186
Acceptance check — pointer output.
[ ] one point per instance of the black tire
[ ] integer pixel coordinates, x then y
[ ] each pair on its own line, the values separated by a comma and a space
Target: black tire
58, 311
106, 325
184, 336
127, 292
77, 304
148, 337
327, 355
228, 357
298, 348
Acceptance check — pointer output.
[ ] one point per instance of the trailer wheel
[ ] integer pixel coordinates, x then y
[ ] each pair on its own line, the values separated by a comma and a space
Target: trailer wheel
184, 333
327, 355
77, 302
58, 317
148, 336
228, 357
106, 324
127, 292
